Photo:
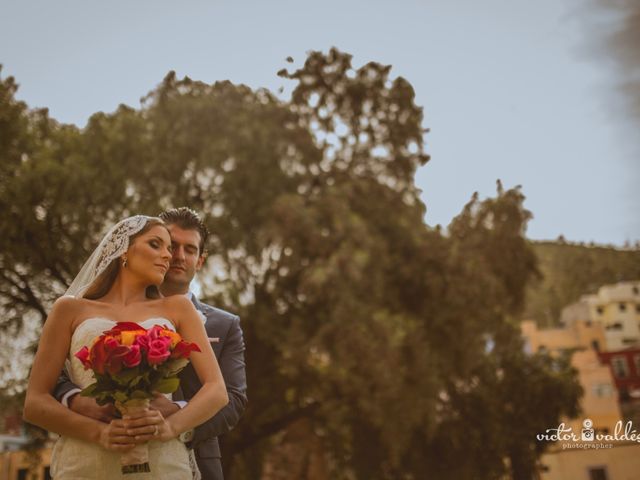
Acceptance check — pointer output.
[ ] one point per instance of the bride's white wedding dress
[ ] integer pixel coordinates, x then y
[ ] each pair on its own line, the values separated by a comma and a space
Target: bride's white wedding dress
78, 460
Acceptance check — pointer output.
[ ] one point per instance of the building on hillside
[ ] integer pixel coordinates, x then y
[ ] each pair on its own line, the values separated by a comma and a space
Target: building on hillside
579, 335
600, 401
599, 406
625, 369
615, 307
622, 461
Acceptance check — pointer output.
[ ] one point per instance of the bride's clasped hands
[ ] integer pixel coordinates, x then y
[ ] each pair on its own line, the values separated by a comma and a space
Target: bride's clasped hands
123, 434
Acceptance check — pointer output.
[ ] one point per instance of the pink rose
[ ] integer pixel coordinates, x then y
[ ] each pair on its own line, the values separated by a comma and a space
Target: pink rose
154, 332
159, 350
162, 343
132, 358
142, 341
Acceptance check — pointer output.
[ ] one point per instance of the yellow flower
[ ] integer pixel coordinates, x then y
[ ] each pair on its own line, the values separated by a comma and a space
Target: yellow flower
129, 336
175, 338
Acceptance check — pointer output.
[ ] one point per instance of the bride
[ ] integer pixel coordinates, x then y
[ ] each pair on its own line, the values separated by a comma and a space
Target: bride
119, 283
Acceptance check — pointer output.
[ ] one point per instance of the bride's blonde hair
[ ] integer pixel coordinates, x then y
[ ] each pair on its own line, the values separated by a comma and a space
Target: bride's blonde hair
103, 283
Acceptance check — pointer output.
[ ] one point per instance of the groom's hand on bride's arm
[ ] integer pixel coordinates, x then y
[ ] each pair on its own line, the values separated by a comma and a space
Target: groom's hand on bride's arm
89, 408
165, 406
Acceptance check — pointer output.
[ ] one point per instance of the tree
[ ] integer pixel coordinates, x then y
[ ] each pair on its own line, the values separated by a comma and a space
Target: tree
359, 320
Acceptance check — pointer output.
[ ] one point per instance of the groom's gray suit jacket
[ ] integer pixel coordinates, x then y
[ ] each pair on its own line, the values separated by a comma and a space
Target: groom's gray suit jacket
225, 335
223, 330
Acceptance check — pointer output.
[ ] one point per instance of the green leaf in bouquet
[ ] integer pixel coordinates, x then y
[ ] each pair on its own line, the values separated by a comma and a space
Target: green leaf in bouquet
125, 377
167, 385
176, 365
138, 379
140, 394
120, 396
89, 391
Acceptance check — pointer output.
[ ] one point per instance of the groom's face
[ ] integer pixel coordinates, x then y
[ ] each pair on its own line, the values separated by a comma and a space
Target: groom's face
186, 257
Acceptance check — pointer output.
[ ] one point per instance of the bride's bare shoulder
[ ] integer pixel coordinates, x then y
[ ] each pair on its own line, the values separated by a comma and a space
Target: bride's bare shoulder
68, 302
177, 308
65, 309
177, 302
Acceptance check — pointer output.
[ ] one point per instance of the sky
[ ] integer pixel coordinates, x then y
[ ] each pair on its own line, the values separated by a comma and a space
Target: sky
508, 87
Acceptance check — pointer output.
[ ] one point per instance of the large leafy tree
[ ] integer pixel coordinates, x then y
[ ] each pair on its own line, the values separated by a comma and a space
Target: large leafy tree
361, 323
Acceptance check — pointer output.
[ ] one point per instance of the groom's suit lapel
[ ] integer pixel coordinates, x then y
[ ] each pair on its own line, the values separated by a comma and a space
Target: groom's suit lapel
210, 325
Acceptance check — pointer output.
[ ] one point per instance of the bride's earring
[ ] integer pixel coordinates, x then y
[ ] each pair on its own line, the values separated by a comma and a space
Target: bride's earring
124, 262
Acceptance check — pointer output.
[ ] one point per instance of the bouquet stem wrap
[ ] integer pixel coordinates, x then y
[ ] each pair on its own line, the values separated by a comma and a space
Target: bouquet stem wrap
135, 460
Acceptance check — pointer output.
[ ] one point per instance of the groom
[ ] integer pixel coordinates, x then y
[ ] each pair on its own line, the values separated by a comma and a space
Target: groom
188, 237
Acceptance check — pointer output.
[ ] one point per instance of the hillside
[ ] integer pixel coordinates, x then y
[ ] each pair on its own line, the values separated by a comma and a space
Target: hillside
571, 270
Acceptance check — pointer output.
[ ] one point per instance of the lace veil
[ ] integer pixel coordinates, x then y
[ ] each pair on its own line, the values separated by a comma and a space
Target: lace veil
112, 245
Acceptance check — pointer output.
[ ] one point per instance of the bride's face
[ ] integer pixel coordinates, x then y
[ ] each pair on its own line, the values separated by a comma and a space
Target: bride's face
149, 255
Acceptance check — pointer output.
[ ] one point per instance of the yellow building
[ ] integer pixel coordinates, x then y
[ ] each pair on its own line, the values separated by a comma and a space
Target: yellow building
621, 462
19, 465
578, 335
600, 401
599, 406
615, 307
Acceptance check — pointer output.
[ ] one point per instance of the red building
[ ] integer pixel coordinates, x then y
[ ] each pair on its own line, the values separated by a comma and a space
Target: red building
625, 368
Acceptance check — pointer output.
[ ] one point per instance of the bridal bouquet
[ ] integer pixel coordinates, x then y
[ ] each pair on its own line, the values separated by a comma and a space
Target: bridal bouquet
129, 364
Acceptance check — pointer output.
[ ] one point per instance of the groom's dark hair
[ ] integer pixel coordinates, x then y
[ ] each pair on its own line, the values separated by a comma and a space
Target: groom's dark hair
187, 219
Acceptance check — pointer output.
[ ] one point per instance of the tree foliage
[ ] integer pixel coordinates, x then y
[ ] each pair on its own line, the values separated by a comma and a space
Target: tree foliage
358, 318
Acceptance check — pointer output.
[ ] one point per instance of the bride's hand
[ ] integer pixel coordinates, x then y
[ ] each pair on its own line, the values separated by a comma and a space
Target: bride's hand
148, 425
114, 437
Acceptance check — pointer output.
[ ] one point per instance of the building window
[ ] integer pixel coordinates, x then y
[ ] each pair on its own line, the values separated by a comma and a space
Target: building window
622, 307
602, 390
635, 290
47, 473
614, 326
598, 473
23, 474
600, 310
596, 345
619, 367
637, 307
636, 361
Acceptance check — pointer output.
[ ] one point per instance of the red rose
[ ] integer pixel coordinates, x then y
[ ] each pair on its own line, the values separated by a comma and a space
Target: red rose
116, 358
83, 356
132, 358
123, 326
111, 343
107, 355
183, 349
98, 356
